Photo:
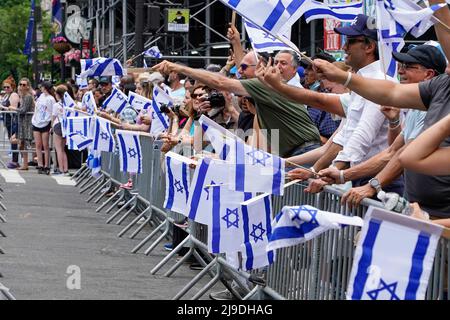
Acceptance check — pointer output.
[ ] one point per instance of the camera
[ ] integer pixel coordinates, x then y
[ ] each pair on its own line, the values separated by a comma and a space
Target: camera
164, 108
216, 99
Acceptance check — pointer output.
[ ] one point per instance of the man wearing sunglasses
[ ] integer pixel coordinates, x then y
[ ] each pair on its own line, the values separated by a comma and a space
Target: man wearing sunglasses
365, 132
297, 133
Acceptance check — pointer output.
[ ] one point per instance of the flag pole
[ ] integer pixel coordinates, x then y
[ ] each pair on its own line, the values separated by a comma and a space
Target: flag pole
135, 57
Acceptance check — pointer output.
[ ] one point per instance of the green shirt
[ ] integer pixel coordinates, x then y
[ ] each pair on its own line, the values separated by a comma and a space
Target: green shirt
277, 112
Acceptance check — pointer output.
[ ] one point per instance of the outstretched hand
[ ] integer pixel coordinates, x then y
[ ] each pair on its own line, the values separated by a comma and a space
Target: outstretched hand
328, 71
166, 67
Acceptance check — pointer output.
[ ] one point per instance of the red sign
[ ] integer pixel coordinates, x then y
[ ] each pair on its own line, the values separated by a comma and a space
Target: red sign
332, 40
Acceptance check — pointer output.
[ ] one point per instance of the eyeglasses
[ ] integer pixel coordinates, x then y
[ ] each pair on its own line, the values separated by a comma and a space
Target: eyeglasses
351, 41
406, 66
244, 66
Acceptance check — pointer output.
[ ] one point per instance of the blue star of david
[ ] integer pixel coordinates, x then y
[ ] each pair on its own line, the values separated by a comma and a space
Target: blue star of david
312, 213
270, 37
119, 96
207, 189
259, 236
178, 186
373, 294
104, 136
132, 153
231, 223
297, 214
256, 156
79, 132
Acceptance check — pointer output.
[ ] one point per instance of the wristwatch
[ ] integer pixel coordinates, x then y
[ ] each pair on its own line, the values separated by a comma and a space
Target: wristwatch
374, 183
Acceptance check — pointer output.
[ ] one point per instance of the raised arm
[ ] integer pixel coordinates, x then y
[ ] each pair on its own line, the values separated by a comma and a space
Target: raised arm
424, 154
210, 79
322, 101
443, 34
382, 92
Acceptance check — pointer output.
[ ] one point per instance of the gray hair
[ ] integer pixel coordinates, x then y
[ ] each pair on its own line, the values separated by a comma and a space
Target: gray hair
295, 60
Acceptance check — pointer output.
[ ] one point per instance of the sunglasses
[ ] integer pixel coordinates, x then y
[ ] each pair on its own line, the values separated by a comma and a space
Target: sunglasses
6, 87
196, 95
23, 84
244, 66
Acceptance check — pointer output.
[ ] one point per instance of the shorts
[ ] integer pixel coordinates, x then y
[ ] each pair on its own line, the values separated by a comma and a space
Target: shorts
44, 129
57, 129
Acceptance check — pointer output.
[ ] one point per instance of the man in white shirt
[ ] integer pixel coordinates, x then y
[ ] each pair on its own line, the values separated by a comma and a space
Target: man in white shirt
365, 132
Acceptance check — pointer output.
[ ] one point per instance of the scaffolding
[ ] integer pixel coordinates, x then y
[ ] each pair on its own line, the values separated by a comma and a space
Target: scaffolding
118, 29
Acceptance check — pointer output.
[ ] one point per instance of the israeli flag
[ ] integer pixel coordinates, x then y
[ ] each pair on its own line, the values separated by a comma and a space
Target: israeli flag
77, 127
257, 219
177, 182
160, 121
94, 162
255, 170
130, 151
262, 41
68, 102
81, 82
296, 225
394, 257
81, 141
88, 102
274, 16
117, 101
222, 140
153, 52
138, 102
225, 230
100, 67
412, 17
208, 173
103, 136
345, 12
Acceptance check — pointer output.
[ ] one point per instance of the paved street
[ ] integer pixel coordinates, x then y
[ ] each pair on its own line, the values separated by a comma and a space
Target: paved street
51, 227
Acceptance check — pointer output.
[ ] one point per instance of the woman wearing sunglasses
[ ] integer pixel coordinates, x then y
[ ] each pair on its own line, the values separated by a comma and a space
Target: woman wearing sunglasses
26, 106
10, 102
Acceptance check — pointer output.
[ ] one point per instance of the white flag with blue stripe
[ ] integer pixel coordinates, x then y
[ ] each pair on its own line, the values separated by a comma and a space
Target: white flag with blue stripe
394, 257
117, 101
264, 42
77, 127
88, 102
103, 136
296, 225
139, 102
160, 121
130, 151
94, 162
345, 12
177, 182
222, 140
257, 224
100, 67
274, 16
153, 52
68, 102
82, 82
254, 170
209, 172
80, 141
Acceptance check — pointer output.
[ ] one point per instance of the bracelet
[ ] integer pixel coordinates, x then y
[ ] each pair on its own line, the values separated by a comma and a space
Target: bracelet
349, 78
341, 176
393, 128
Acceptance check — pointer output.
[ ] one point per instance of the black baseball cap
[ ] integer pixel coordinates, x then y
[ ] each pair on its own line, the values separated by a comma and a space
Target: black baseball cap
361, 26
428, 56
105, 79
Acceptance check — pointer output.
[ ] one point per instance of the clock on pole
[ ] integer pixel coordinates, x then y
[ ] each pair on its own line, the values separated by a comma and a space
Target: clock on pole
76, 27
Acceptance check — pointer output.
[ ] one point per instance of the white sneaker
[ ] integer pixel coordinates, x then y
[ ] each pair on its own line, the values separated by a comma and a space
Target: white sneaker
141, 220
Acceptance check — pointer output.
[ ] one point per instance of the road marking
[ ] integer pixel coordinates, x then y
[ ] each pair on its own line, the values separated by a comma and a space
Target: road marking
12, 176
64, 181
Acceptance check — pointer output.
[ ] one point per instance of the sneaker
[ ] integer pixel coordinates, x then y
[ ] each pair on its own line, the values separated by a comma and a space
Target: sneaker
127, 186
12, 165
222, 295
168, 247
40, 170
57, 173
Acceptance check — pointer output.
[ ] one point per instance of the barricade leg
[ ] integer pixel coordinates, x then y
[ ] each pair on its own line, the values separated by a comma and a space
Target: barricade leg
133, 198
101, 182
79, 171
148, 238
3, 206
89, 186
196, 279
2, 234
141, 227
83, 172
161, 237
126, 215
97, 190
122, 196
104, 192
5, 291
173, 253
2, 251
83, 176
86, 181
2, 218
210, 284
136, 220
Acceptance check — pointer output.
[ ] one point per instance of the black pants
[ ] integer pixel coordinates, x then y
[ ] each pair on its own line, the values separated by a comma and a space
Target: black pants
10, 121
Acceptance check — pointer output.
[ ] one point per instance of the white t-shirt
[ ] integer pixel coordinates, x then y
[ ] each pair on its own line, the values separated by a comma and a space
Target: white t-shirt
43, 111
58, 113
